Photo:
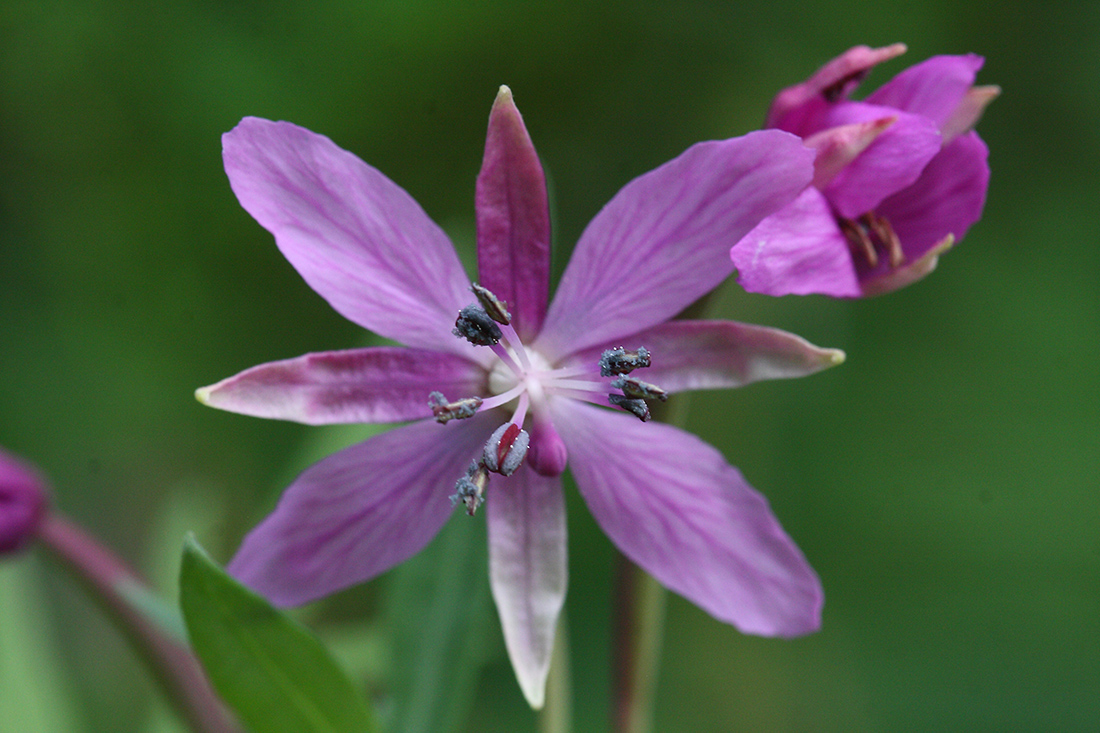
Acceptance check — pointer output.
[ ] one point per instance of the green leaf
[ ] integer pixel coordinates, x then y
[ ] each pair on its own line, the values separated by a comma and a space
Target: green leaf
267, 667
444, 629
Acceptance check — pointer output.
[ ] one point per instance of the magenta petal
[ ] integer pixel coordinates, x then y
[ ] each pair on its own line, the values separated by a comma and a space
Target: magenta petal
795, 108
947, 199
893, 161
359, 512
932, 88
513, 219
384, 384
355, 236
528, 571
798, 251
661, 242
23, 503
675, 507
689, 355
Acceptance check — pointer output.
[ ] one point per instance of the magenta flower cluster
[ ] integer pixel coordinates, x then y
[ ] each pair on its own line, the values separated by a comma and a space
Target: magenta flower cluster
504, 387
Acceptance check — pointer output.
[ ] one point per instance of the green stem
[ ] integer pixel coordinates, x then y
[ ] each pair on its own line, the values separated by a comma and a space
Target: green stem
557, 715
113, 585
639, 619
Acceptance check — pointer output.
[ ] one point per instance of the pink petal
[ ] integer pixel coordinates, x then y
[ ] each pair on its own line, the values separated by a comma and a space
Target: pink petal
947, 199
798, 251
689, 355
964, 117
384, 384
893, 161
513, 219
932, 88
661, 243
528, 571
795, 108
674, 506
359, 512
23, 503
356, 237
836, 147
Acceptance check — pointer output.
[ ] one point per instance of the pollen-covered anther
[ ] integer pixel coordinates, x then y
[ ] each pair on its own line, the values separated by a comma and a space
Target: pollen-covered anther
506, 449
475, 325
470, 489
494, 307
620, 361
639, 390
445, 411
638, 407
871, 233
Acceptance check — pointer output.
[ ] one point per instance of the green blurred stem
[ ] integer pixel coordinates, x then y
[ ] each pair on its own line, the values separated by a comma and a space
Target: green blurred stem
112, 584
639, 633
557, 715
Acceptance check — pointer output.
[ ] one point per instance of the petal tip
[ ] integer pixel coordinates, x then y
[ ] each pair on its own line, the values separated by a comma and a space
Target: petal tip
835, 357
202, 394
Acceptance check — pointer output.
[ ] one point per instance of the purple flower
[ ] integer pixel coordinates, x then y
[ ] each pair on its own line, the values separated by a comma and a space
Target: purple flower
23, 503
516, 380
898, 179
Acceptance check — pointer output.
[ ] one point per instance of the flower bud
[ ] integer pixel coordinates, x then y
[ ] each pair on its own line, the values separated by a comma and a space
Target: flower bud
22, 503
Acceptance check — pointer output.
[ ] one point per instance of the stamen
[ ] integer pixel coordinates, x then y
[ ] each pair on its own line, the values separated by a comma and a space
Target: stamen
445, 411
640, 390
517, 346
871, 233
494, 307
504, 397
620, 361
506, 449
857, 237
884, 233
506, 357
470, 489
475, 325
638, 407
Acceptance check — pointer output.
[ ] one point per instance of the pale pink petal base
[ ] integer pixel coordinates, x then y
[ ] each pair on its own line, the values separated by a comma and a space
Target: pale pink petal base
675, 507
359, 512
690, 355
528, 571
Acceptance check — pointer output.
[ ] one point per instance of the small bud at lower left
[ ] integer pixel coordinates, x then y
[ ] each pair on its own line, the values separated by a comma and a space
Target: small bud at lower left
23, 503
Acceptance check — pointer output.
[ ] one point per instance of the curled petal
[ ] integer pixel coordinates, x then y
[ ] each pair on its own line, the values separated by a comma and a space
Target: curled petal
674, 506
661, 242
933, 88
893, 161
969, 111
528, 572
799, 250
384, 384
356, 237
795, 108
947, 199
513, 219
23, 503
689, 355
838, 146
358, 512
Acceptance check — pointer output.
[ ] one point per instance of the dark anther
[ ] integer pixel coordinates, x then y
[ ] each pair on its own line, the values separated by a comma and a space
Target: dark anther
475, 325
638, 407
506, 449
470, 489
445, 411
494, 307
871, 233
639, 390
839, 88
620, 361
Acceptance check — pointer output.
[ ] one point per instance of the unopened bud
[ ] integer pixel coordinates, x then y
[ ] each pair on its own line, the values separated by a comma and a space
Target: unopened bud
23, 503
506, 448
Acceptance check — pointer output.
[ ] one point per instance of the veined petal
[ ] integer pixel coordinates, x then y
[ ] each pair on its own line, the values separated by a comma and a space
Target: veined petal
356, 237
795, 108
947, 199
797, 251
893, 161
513, 219
528, 571
383, 384
359, 512
933, 88
661, 242
689, 355
674, 506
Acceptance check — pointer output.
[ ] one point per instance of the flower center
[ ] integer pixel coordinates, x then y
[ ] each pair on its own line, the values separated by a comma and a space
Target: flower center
869, 234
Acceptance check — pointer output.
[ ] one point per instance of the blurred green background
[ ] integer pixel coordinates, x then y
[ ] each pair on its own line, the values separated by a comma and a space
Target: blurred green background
943, 482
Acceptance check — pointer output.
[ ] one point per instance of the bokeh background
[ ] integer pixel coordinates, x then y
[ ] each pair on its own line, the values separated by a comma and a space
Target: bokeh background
943, 482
